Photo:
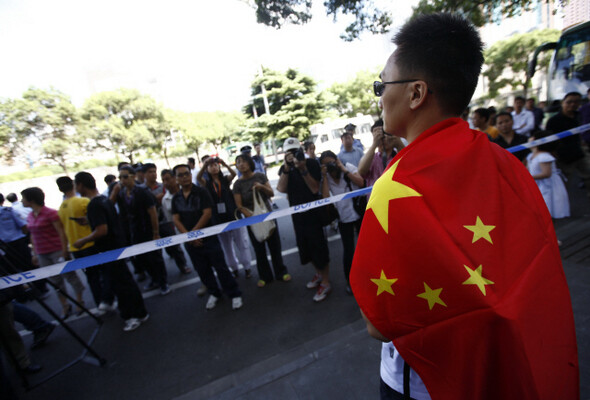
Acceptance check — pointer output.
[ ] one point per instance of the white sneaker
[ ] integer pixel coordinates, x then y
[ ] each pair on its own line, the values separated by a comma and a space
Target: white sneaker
107, 307
322, 293
211, 302
236, 303
131, 324
315, 282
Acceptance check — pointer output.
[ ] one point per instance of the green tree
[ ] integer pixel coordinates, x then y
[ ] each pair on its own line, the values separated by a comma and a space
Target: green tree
125, 122
277, 13
198, 128
355, 96
45, 116
294, 105
506, 60
480, 12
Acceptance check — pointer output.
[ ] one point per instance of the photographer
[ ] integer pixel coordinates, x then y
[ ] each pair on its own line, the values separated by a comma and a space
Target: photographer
338, 179
300, 179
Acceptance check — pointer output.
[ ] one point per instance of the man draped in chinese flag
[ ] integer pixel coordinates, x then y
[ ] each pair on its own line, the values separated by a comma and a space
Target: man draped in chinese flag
457, 261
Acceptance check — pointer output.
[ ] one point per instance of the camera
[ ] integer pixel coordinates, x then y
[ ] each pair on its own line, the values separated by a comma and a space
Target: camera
300, 155
332, 167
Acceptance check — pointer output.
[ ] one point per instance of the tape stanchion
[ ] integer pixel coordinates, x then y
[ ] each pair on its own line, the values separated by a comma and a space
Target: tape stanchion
125, 252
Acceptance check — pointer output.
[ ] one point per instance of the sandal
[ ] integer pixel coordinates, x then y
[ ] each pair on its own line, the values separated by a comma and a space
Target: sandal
286, 278
248, 273
261, 283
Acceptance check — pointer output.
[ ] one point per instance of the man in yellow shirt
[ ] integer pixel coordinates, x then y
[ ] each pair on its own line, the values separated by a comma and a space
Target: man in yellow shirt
481, 119
72, 214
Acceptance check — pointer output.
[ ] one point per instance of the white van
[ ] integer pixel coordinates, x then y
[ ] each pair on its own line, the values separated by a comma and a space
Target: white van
326, 136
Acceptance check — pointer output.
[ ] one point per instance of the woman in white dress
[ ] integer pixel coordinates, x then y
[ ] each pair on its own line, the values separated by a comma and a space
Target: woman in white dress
541, 165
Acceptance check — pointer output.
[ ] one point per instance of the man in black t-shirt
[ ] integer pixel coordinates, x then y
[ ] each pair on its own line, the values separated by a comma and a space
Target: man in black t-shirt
570, 155
191, 211
107, 235
508, 137
140, 206
300, 179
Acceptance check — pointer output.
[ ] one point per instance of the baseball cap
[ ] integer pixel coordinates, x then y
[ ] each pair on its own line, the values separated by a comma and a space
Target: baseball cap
291, 143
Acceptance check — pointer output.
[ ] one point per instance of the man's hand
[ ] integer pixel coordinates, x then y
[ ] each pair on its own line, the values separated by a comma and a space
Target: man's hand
156, 236
197, 243
301, 165
289, 159
324, 170
79, 243
377, 136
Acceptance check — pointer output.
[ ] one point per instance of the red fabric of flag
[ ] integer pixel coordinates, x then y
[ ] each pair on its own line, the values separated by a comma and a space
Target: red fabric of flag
457, 262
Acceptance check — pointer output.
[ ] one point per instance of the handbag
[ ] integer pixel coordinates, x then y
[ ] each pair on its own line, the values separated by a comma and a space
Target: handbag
262, 230
359, 203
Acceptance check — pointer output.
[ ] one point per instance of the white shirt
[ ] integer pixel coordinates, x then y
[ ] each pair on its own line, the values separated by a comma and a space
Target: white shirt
194, 173
167, 206
526, 120
392, 373
21, 211
344, 207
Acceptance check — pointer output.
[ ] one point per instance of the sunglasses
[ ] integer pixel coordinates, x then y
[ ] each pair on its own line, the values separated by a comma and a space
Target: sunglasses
379, 87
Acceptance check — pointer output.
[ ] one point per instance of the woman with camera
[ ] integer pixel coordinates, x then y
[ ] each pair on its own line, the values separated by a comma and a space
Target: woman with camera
244, 198
223, 211
338, 179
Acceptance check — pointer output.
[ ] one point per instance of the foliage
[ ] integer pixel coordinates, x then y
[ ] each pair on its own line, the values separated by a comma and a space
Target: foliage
198, 128
512, 55
126, 122
277, 13
44, 116
355, 96
480, 12
294, 105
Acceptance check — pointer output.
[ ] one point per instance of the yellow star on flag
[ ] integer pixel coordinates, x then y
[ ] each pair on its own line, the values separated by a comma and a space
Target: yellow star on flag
384, 190
432, 296
476, 278
384, 284
480, 231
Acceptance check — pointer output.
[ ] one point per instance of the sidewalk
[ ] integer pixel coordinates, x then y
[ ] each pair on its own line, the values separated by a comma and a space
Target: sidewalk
341, 364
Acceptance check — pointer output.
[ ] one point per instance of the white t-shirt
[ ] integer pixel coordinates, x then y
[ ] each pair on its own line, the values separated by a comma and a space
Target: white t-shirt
194, 173
526, 118
344, 207
392, 373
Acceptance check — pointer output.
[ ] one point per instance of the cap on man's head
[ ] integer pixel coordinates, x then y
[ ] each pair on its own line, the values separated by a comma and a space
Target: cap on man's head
246, 149
350, 128
291, 143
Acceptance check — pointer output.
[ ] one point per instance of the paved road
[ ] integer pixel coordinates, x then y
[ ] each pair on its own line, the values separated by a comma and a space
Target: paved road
281, 345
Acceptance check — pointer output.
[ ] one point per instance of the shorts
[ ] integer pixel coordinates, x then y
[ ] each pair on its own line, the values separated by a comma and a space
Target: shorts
311, 241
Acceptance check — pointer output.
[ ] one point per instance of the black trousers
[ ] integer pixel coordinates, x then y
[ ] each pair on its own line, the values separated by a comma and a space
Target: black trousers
348, 244
99, 282
166, 230
123, 285
210, 257
274, 246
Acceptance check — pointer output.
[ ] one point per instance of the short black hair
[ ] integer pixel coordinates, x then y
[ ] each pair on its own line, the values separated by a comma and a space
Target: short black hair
377, 123
504, 114
128, 168
328, 153
85, 179
122, 163
519, 98
248, 159
11, 197
138, 167
166, 172
205, 157
110, 178
531, 99
307, 145
483, 112
64, 184
191, 160
492, 109
444, 50
572, 94
35, 195
180, 166
147, 166
1, 198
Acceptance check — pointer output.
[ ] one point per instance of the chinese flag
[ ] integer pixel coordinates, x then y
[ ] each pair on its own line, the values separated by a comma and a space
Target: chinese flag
457, 262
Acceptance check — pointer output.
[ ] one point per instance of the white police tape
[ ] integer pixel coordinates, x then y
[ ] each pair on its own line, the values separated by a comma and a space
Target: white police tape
126, 252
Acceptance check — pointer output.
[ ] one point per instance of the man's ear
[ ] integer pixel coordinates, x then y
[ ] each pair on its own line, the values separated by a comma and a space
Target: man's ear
418, 94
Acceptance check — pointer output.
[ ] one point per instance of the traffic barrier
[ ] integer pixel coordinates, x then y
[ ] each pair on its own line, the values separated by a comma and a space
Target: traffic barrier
129, 251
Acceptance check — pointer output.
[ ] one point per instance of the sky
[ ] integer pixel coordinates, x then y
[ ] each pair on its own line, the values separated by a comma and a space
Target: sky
197, 55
